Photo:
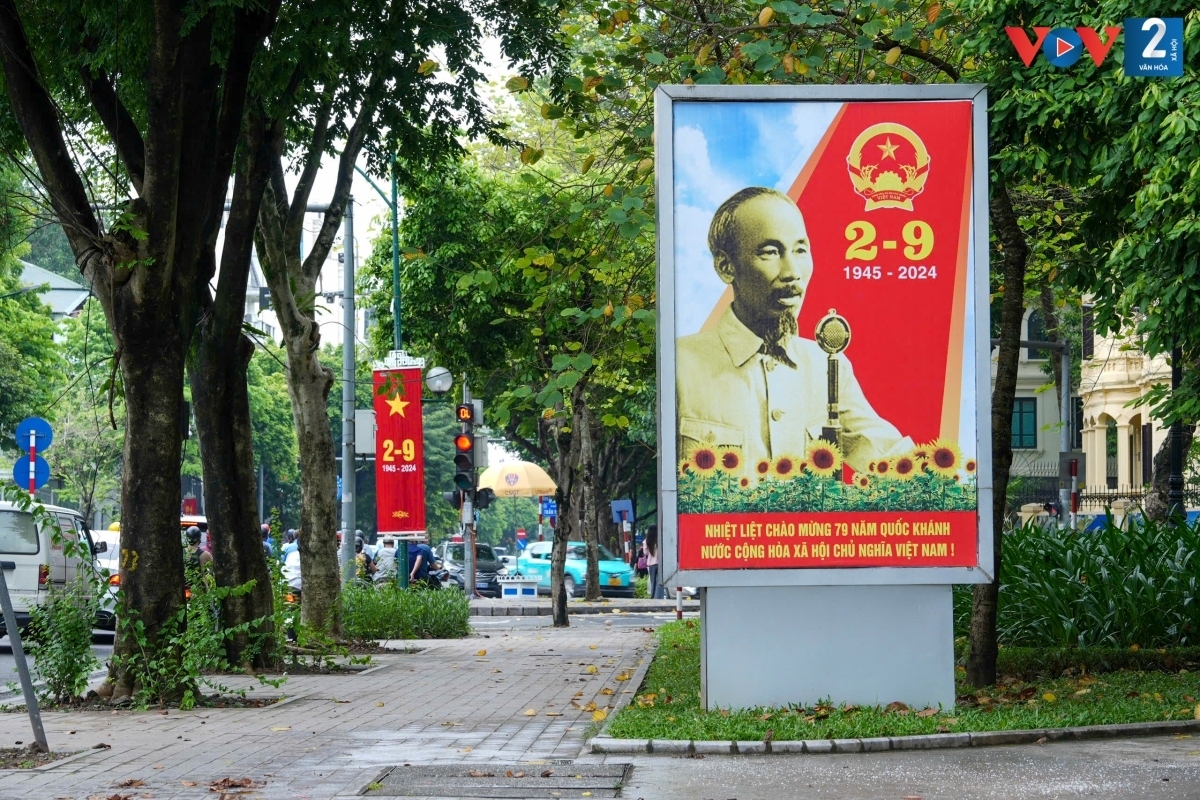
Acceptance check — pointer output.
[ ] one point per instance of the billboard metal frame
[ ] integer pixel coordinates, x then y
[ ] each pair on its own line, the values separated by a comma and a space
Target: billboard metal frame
666, 96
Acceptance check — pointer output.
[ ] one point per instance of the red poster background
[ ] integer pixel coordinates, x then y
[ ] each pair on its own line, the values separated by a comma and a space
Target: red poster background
399, 451
907, 334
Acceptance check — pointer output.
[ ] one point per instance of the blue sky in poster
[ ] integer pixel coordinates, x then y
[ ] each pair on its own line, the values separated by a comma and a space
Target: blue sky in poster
719, 149
722, 147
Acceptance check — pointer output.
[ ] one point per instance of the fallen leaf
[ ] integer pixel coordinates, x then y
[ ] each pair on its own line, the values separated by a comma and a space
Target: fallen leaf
624, 676
187, 783
591, 669
131, 783
606, 691
951, 720
1049, 697
334, 699
553, 713
547, 773
482, 653
578, 694
599, 715
895, 706
158, 766
101, 746
1042, 740
616, 611
477, 774
587, 794
591, 647
281, 728
1196, 713
1082, 692
531, 712
927, 712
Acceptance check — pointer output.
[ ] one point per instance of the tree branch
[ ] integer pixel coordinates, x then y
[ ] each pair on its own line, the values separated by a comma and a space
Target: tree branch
120, 125
312, 165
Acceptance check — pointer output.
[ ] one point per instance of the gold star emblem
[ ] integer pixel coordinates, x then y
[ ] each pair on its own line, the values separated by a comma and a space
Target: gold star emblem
889, 149
396, 404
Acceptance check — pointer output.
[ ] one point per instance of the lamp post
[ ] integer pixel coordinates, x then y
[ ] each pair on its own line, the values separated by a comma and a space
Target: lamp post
393, 206
1175, 477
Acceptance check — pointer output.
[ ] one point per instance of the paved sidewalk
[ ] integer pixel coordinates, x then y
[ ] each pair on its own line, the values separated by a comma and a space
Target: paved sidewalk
443, 705
490, 607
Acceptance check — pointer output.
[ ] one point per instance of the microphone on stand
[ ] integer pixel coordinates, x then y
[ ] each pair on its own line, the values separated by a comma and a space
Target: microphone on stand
833, 336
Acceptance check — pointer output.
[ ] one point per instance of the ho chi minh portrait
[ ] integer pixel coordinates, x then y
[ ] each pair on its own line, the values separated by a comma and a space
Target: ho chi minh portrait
751, 381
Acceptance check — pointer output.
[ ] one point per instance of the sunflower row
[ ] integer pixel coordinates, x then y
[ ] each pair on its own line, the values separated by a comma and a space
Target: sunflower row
940, 457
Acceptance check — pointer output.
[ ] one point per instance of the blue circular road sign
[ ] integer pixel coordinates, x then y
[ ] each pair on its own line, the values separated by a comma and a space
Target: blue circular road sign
41, 472
41, 430
1062, 47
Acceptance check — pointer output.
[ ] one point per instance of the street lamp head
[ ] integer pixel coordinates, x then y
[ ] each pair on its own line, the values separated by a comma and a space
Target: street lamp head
439, 380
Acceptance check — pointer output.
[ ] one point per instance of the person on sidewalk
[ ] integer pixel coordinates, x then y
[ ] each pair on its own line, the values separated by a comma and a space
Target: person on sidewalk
651, 544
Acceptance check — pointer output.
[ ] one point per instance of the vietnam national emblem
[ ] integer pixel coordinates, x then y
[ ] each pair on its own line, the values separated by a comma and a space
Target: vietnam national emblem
888, 166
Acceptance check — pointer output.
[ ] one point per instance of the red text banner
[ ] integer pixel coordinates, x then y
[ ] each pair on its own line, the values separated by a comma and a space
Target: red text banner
399, 452
838, 539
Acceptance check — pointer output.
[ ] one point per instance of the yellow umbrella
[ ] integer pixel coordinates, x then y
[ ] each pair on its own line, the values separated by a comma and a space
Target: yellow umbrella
517, 479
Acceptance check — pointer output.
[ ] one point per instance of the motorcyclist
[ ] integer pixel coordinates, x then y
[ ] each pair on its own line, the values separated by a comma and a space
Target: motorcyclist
365, 564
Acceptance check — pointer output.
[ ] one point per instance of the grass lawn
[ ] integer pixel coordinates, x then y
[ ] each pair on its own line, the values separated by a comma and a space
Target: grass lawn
667, 705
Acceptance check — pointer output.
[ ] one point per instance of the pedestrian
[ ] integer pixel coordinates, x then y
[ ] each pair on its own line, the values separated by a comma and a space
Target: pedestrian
268, 544
195, 557
656, 589
289, 544
365, 565
641, 561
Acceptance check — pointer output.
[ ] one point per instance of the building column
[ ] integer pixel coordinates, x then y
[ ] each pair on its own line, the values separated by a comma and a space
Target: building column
1124, 474
1093, 444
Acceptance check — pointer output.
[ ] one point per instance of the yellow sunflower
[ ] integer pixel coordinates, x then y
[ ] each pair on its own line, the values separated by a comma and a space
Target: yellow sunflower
871, 467
823, 458
944, 458
883, 468
921, 453
863, 481
685, 467
905, 468
785, 467
704, 460
971, 466
729, 459
744, 482
763, 468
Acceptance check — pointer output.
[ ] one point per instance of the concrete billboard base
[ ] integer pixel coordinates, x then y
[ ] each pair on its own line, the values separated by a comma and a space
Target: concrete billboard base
864, 645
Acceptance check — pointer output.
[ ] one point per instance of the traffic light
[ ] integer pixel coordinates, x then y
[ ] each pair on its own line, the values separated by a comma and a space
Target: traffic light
455, 498
483, 498
464, 448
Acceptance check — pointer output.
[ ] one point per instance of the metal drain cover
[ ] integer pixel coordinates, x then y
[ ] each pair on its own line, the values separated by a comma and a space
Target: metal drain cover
501, 781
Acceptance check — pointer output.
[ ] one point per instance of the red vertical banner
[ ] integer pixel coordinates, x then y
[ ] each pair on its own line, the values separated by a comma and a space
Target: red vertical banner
399, 452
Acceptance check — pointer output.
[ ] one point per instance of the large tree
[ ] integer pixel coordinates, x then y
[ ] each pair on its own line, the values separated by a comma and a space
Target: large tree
162, 111
381, 90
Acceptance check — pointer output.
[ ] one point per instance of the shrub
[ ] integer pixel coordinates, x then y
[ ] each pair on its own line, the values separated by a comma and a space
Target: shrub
1112, 587
60, 642
389, 612
641, 588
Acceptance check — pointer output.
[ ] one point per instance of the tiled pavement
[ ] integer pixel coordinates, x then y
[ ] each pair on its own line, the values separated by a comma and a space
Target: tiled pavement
445, 704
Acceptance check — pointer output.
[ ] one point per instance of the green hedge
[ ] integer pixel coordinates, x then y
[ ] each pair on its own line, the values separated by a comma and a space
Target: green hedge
1109, 588
389, 612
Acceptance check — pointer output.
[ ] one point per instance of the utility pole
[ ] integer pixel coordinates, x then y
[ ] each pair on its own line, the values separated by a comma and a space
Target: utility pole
468, 517
348, 330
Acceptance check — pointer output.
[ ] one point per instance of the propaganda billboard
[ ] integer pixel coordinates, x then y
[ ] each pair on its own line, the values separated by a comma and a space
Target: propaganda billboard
823, 338
399, 452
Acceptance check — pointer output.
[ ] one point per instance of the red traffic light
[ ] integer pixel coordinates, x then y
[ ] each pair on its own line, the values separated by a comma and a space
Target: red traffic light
465, 412
464, 442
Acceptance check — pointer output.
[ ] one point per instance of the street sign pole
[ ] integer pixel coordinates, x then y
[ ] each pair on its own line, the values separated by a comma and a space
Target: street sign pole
14, 638
32, 465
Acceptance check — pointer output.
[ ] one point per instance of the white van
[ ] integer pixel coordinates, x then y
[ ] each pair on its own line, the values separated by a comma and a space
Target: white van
40, 563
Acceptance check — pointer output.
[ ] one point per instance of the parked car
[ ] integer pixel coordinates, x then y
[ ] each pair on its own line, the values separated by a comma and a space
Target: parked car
40, 563
487, 567
616, 577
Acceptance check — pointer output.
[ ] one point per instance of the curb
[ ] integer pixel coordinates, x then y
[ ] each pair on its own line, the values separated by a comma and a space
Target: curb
936, 741
635, 683
545, 610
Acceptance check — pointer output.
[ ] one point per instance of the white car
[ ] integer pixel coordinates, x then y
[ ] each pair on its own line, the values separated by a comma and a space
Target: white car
40, 562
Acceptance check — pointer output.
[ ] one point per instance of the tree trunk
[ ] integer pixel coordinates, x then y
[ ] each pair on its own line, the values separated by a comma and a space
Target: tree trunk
587, 485
222, 408
981, 660
151, 557
1155, 505
309, 383
1050, 316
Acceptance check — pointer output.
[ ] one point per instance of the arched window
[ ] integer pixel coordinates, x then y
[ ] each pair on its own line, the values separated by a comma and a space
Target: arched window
1036, 333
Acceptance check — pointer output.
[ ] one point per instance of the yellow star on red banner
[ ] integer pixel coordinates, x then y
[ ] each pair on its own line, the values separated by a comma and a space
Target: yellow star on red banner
397, 405
889, 149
